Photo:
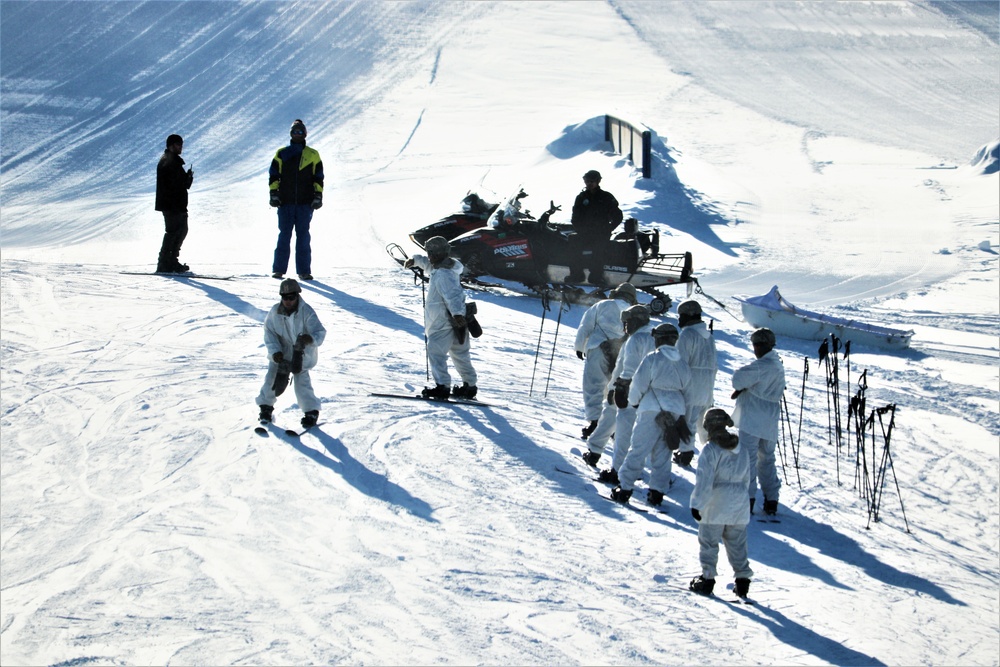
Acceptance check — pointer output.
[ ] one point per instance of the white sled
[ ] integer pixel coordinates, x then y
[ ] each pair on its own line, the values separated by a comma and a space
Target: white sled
776, 313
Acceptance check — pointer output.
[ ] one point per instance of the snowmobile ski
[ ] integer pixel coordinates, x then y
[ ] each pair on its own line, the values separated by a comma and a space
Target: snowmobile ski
196, 276
451, 401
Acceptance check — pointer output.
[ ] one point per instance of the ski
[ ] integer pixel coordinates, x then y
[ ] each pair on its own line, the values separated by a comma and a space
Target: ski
735, 599
264, 429
448, 401
628, 505
298, 434
197, 276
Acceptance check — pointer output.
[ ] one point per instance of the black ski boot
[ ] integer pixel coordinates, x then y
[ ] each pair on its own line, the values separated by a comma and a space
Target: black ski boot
588, 429
620, 495
654, 497
702, 586
439, 391
265, 413
310, 418
742, 587
464, 391
609, 476
770, 507
591, 458
683, 458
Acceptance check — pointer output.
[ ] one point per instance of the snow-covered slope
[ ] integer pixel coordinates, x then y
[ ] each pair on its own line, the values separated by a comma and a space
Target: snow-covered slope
840, 150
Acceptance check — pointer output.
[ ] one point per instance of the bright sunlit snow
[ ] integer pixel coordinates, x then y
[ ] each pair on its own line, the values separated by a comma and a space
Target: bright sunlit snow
845, 151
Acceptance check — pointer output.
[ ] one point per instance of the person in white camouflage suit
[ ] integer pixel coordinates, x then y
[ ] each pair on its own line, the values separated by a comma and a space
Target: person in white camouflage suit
758, 389
640, 343
697, 347
718, 504
598, 341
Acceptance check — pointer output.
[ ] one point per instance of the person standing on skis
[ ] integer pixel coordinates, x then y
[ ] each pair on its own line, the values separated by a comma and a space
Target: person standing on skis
446, 326
292, 336
718, 505
759, 387
172, 185
657, 391
598, 340
295, 181
640, 342
697, 348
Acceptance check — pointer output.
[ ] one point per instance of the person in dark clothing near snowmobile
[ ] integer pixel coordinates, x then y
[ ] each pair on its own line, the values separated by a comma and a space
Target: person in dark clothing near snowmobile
296, 185
172, 184
595, 216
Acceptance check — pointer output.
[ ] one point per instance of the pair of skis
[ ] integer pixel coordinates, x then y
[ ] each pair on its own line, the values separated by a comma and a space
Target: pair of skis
263, 429
447, 401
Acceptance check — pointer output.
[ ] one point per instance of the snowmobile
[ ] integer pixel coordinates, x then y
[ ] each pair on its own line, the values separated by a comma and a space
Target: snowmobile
508, 243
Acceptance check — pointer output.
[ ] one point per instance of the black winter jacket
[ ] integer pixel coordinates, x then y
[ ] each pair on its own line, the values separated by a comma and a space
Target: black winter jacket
172, 183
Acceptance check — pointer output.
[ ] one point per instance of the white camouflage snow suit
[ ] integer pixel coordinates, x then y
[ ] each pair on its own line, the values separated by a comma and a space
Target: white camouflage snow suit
445, 297
602, 322
757, 413
659, 384
281, 329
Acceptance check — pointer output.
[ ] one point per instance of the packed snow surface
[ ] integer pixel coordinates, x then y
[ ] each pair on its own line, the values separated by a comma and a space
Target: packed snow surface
845, 151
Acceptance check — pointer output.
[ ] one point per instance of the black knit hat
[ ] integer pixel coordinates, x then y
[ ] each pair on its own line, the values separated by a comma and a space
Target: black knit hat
174, 139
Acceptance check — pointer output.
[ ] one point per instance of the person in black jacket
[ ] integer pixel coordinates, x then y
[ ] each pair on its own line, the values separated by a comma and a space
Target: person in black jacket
296, 185
172, 184
595, 215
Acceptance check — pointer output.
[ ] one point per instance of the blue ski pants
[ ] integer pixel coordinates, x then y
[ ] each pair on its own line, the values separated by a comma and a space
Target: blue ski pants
293, 218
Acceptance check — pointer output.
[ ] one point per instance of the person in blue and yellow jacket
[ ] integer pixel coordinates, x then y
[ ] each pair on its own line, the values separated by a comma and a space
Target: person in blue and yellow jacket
296, 184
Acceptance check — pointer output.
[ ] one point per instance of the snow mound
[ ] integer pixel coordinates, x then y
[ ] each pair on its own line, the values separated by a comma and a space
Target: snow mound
987, 158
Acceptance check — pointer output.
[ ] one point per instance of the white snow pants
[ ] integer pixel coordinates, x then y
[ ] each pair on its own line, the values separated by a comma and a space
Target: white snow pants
624, 423
598, 440
735, 540
763, 467
441, 344
596, 374
647, 440
301, 383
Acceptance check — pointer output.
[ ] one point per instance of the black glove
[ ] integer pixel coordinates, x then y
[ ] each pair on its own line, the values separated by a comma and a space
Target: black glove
621, 393
278, 357
302, 341
190, 175
682, 429
696, 514
579, 355
275, 199
735, 394
317, 201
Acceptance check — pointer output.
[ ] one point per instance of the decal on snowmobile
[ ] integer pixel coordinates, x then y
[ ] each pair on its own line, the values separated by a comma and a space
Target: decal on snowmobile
516, 250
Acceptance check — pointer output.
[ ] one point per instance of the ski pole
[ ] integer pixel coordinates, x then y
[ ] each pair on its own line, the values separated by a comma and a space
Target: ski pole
538, 347
562, 302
